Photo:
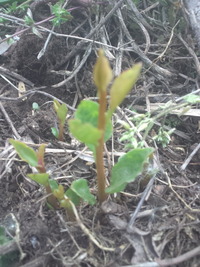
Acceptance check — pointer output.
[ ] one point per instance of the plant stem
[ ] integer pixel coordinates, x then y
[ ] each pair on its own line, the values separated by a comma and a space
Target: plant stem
101, 180
51, 199
61, 131
70, 214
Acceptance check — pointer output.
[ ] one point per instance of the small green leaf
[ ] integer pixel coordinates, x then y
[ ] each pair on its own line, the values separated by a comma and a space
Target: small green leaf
73, 197
56, 105
128, 168
36, 32
122, 86
35, 106
192, 99
40, 178
55, 132
84, 132
87, 112
102, 73
81, 188
26, 153
53, 185
62, 113
59, 193
61, 110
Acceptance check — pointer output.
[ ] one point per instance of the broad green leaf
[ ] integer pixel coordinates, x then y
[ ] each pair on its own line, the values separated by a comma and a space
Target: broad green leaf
81, 188
128, 168
192, 99
84, 132
102, 72
122, 86
73, 196
87, 112
26, 153
40, 178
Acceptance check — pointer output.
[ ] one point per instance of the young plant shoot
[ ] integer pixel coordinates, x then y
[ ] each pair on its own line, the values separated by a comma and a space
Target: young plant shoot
61, 112
36, 159
92, 125
56, 196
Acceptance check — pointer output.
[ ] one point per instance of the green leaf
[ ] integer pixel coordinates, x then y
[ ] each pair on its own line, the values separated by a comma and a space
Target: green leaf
84, 132
122, 86
40, 178
55, 132
81, 188
53, 185
128, 168
35, 106
87, 112
36, 32
192, 99
59, 193
61, 110
73, 197
26, 153
102, 72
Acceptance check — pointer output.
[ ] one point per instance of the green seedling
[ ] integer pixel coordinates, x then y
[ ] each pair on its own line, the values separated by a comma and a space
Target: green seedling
36, 159
57, 197
92, 126
61, 112
61, 15
163, 137
145, 122
78, 190
35, 106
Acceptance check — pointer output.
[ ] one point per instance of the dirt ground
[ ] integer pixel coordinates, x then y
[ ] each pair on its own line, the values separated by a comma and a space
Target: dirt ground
163, 212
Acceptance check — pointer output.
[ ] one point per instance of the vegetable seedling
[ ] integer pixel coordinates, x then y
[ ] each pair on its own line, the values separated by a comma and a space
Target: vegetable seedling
57, 197
36, 159
61, 112
92, 126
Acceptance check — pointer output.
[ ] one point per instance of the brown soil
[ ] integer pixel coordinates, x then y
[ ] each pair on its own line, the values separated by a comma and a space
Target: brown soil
167, 224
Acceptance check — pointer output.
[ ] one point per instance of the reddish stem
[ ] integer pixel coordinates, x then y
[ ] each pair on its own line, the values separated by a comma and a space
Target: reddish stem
101, 179
61, 132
